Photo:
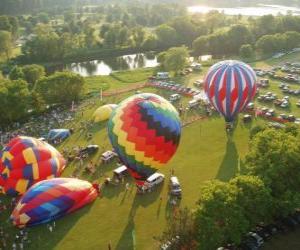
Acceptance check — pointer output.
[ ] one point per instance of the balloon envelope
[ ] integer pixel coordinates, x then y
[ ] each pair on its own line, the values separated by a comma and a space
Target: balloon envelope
103, 113
52, 199
25, 161
230, 86
144, 131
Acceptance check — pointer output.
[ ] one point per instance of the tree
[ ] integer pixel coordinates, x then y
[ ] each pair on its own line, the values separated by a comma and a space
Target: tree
5, 24
292, 39
37, 103
33, 72
201, 45
150, 43
16, 73
185, 29
61, 87
274, 156
219, 218
246, 51
254, 198
138, 36
238, 35
5, 43
14, 101
266, 44
182, 228
175, 59
167, 36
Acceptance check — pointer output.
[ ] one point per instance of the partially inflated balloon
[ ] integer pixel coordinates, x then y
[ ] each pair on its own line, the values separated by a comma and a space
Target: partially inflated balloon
103, 113
25, 161
52, 199
230, 86
145, 132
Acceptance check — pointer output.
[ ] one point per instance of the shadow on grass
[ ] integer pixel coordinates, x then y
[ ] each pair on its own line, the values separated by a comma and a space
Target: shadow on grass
128, 238
38, 234
229, 165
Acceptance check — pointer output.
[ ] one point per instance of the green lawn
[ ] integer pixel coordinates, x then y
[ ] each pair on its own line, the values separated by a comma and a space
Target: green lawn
127, 220
117, 80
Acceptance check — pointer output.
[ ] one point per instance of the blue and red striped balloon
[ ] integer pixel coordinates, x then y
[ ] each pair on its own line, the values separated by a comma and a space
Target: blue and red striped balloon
230, 86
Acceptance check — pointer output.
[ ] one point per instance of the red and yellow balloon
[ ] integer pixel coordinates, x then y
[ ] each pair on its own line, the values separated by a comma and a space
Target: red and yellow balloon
26, 161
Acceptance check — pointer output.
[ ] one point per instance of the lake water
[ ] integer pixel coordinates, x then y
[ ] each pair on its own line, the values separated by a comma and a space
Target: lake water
259, 10
107, 66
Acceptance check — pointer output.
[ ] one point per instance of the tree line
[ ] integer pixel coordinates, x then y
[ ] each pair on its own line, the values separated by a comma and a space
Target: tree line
267, 189
28, 91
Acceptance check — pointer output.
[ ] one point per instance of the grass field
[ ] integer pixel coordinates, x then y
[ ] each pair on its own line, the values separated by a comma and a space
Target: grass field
127, 220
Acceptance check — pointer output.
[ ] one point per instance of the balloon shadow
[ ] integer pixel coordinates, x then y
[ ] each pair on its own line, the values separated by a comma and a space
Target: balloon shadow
230, 162
128, 237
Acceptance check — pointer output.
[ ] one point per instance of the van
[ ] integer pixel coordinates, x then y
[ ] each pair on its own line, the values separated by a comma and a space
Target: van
193, 103
120, 172
153, 181
107, 156
174, 186
174, 97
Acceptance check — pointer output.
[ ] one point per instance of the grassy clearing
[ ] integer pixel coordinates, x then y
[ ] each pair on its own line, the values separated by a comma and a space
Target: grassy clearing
117, 80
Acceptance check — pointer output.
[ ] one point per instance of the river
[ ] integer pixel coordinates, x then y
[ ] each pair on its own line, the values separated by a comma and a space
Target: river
258, 10
109, 65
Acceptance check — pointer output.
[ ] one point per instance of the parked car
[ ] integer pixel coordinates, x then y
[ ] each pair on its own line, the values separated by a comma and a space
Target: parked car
153, 180
107, 156
90, 149
174, 97
174, 186
120, 172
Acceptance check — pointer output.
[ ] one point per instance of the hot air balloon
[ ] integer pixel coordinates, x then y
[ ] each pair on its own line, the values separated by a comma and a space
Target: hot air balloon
51, 199
144, 131
103, 112
25, 161
230, 86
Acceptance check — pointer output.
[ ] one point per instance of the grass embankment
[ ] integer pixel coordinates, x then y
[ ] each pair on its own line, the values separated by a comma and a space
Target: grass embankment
117, 80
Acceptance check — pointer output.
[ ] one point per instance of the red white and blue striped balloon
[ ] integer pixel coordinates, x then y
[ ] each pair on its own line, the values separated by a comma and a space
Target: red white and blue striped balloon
230, 86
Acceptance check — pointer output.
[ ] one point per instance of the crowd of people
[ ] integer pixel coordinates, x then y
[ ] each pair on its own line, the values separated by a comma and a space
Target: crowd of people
37, 126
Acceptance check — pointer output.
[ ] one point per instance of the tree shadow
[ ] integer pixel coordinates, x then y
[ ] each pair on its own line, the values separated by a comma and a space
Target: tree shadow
230, 162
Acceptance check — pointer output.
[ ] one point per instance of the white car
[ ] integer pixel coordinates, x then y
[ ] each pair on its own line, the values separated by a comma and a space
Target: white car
108, 156
174, 97
153, 181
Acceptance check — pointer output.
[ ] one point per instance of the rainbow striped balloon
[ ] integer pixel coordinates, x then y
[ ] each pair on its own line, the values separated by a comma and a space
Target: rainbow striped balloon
230, 86
51, 199
144, 130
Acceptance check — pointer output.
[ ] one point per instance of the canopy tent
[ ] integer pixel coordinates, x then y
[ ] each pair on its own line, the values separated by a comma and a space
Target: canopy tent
58, 134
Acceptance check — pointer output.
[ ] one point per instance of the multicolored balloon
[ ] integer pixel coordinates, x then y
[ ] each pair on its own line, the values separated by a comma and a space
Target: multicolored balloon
144, 131
230, 86
26, 161
51, 199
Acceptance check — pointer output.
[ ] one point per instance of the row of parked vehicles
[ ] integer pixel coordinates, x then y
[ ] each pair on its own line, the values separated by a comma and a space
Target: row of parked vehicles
285, 88
269, 97
255, 239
